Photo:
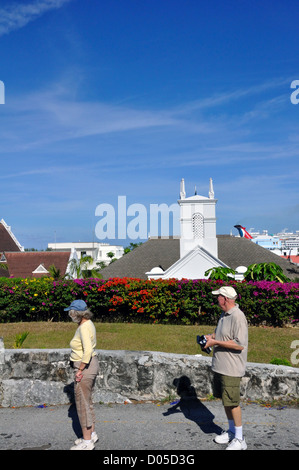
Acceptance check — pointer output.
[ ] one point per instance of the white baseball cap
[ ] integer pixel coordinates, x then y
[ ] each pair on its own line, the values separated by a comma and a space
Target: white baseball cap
226, 291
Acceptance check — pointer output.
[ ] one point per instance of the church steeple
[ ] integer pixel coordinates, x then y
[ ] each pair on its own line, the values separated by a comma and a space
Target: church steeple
198, 221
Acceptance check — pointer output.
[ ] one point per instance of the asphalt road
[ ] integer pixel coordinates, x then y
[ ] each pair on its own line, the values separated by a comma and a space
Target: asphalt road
187, 426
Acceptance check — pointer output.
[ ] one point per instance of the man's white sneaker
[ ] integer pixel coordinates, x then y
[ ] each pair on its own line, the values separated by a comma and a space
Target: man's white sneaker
84, 446
224, 438
94, 438
237, 444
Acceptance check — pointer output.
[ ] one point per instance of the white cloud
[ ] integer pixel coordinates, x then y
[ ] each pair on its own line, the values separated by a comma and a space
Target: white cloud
56, 115
56, 119
226, 97
18, 15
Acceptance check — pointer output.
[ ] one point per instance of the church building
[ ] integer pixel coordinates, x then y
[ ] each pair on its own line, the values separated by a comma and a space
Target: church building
198, 248
198, 240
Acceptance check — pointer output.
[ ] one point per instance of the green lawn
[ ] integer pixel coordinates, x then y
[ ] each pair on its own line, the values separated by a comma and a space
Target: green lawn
264, 343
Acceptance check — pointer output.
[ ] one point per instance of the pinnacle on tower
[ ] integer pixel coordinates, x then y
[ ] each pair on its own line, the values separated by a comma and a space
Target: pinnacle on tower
211, 191
182, 190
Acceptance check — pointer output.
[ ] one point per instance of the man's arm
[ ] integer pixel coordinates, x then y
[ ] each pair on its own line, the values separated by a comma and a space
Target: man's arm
230, 344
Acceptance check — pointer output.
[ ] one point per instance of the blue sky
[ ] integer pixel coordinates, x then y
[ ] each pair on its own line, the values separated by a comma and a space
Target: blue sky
126, 97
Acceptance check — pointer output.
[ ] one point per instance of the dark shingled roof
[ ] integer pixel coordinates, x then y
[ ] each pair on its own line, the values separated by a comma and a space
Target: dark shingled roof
155, 252
233, 251
237, 251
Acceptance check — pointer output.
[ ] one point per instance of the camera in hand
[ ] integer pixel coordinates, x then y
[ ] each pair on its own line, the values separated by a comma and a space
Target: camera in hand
202, 341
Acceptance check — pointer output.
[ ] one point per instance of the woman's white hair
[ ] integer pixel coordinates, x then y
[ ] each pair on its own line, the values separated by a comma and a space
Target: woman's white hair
77, 315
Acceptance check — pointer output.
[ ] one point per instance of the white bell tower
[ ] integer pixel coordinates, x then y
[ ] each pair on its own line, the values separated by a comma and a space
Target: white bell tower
198, 222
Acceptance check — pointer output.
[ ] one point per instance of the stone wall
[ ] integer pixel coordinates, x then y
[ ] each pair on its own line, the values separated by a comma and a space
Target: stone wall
43, 376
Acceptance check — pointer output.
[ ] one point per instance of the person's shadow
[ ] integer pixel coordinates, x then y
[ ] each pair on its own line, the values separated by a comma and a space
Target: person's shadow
192, 408
72, 411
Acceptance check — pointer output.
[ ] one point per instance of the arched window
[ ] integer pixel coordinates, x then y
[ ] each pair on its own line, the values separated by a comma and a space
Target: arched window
197, 225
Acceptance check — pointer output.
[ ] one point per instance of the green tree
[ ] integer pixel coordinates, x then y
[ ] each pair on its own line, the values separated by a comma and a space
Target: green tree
111, 256
55, 272
79, 268
131, 247
265, 272
222, 273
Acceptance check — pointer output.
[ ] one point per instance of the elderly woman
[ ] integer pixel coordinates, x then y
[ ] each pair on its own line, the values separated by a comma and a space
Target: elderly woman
85, 362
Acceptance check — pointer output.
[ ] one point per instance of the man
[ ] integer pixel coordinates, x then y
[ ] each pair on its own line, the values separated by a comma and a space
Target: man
230, 342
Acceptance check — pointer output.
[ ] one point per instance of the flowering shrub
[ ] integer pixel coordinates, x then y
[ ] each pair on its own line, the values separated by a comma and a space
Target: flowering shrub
135, 300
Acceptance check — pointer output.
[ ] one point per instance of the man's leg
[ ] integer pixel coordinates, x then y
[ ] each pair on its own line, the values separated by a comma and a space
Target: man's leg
234, 413
231, 402
234, 416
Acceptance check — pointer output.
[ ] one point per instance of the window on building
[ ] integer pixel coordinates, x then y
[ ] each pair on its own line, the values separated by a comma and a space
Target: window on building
198, 225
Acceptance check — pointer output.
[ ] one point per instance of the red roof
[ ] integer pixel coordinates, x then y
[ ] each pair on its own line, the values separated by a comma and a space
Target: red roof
294, 259
7, 242
23, 264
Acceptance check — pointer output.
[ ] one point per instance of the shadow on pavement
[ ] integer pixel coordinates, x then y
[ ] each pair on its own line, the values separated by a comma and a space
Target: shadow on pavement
192, 408
72, 411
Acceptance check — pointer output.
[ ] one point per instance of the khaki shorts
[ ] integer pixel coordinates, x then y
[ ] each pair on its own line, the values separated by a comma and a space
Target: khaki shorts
227, 388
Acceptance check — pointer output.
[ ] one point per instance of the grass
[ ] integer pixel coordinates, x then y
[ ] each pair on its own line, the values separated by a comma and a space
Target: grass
265, 343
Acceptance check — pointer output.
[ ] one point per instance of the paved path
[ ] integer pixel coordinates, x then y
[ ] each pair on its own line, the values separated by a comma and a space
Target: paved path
189, 425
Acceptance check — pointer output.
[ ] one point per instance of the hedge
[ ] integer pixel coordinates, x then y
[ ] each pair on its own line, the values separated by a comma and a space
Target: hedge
146, 301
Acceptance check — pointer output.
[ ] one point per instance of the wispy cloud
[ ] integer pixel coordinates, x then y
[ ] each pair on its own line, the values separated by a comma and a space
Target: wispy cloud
17, 15
226, 97
58, 114
52, 170
56, 120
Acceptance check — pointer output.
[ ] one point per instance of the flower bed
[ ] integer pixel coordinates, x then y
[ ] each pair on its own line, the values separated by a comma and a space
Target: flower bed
135, 300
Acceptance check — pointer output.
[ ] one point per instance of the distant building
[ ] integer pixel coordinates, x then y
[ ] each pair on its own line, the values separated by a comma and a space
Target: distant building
8, 241
36, 264
16, 262
284, 244
270, 242
98, 251
292, 258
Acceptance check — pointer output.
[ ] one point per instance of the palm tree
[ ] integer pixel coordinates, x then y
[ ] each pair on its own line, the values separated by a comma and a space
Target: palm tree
55, 272
79, 268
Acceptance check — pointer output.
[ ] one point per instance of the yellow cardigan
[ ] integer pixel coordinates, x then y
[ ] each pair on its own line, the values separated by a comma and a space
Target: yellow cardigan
83, 343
